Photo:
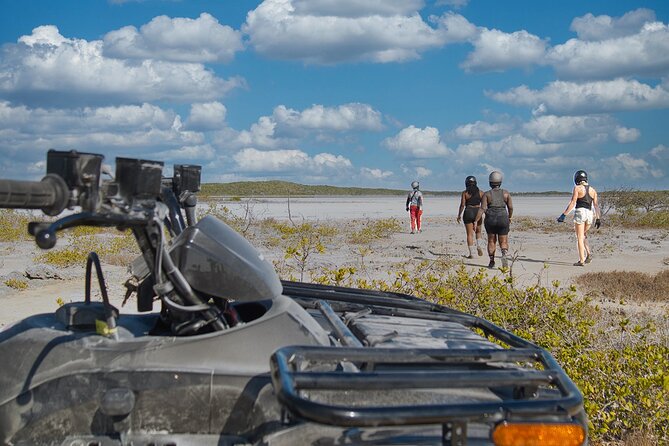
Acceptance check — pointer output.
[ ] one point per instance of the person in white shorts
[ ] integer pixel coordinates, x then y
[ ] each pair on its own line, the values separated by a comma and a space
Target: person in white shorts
586, 211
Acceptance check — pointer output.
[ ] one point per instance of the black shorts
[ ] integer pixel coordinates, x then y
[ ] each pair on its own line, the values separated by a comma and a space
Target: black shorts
497, 223
470, 214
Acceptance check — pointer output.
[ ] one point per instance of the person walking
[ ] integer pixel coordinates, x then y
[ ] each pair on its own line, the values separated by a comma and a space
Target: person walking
497, 206
585, 204
415, 206
470, 202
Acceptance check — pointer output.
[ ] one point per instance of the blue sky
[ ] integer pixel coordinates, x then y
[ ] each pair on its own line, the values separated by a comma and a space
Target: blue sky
343, 92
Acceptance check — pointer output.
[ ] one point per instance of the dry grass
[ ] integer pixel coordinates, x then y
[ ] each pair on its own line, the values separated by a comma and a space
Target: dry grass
627, 285
631, 439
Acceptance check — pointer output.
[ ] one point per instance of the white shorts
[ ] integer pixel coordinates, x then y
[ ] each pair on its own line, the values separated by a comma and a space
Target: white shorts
583, 215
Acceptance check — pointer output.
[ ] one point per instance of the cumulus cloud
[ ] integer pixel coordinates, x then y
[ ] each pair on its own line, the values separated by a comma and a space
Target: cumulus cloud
206, 116
603, 27
551, 128
627, 166
472, 150
324, 32
413, 142
375, 174
560, 97
495, 50
626, 135
46, 68
356, 8
423, 172
519, 145
660, 152
482, 130
196, 153
253, 160
346, 117
27, 132
643, 53
176, 39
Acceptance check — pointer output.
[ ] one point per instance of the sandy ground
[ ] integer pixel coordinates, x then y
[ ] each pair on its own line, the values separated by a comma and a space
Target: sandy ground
540, 258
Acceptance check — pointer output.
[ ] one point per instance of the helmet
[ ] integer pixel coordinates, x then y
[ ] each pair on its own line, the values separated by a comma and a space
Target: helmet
580, 176
495, 178
470, 181
414, 185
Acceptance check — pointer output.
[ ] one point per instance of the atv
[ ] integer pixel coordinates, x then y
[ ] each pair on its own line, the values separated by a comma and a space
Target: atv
235, 356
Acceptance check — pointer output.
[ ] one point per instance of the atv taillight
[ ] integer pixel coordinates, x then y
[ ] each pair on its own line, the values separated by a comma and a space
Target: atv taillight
538, 434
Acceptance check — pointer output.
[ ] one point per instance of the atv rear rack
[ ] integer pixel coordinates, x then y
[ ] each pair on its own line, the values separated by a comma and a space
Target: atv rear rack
528, 383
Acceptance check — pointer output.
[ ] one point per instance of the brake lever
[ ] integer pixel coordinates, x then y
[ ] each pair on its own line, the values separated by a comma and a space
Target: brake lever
45, 233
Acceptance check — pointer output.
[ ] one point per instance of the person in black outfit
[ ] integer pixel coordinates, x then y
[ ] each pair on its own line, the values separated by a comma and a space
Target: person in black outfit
470, 202
498, 209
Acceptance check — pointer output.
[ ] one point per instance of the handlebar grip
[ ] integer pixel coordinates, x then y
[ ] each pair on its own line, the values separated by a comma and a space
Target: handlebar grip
51, 195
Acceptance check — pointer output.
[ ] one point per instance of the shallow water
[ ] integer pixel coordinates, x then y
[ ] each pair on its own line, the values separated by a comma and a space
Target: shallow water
328, 207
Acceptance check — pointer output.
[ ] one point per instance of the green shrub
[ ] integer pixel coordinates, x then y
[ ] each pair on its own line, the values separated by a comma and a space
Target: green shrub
13, 226
17, 284
625, 383
376, 229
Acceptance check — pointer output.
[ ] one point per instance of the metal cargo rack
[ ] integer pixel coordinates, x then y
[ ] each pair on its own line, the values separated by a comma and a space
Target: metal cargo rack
528, 382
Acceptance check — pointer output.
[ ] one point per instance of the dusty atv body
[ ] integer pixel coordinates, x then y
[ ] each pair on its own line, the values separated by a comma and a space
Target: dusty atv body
234, 356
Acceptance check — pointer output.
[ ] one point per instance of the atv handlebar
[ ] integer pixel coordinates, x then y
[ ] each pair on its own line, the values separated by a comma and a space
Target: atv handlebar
51, 195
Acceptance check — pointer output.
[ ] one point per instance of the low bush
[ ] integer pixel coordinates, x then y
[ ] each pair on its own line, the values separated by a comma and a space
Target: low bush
627, 285
13, 226
625, 387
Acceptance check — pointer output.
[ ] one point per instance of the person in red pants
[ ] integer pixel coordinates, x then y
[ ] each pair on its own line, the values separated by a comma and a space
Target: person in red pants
415, 206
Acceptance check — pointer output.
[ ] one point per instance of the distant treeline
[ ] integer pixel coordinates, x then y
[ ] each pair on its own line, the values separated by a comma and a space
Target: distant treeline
286, 188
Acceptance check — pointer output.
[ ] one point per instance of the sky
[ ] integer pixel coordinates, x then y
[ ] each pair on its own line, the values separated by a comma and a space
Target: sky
374, 93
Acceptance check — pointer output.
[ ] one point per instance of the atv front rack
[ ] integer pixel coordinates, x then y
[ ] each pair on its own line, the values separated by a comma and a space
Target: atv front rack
328, 384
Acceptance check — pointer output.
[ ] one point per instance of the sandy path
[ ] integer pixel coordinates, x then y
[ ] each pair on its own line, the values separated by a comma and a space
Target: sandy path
540, 258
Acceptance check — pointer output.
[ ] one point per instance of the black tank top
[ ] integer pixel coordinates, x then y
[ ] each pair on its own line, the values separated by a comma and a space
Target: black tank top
586, 200
474, 199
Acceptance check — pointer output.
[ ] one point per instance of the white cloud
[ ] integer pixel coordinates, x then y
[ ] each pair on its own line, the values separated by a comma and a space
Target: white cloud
46, 68
456, 28
472, 150
626, 166
495, 50
375, 174
253, 160
423, 172
346, 117
660, 152
206, 116
604, 27
481, 130
356, 8
322, 32
643, 53
560, 97
551, 128
413, 142
176, 39
626, 135
28, 132
519, 145
196, 153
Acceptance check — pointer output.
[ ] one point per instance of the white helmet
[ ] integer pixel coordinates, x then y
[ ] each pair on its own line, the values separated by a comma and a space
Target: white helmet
495, 178
415, 184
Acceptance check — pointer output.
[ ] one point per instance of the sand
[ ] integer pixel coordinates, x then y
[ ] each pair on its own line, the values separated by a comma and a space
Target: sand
540, 258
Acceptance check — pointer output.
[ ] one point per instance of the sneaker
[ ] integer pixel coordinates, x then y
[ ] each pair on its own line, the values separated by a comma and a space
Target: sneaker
505, 262
412, 232
579, 263
491, 264
588, 259
468, 257
479, 250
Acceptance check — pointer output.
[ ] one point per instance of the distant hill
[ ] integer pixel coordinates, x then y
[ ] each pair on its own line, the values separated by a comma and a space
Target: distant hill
286, 188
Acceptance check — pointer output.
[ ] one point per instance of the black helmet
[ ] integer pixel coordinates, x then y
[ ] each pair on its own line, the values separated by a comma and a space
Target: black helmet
470, 181
580, 176
415, 184
495, 178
